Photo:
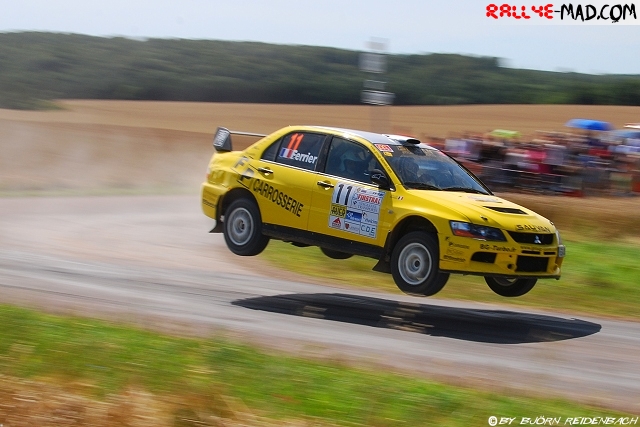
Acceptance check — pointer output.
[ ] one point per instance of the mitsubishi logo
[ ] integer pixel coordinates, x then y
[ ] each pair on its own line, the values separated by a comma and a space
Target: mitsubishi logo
537, 240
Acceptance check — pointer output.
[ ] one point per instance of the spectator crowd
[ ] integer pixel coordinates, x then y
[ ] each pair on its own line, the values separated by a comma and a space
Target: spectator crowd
576, 164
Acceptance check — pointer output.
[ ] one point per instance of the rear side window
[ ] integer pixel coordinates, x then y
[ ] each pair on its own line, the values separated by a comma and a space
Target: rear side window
300, 149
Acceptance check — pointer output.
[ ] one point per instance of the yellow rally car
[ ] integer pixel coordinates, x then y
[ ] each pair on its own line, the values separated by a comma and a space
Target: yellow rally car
408, 205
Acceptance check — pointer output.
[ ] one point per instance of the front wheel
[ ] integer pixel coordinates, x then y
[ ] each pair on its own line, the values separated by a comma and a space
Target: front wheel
510, 286
243, 228
414, 265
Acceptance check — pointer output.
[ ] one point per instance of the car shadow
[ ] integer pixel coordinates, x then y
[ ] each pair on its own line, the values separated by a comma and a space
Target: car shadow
488, 326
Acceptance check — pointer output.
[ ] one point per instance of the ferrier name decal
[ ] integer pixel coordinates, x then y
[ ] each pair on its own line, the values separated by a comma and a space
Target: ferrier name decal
291, 151
296, 155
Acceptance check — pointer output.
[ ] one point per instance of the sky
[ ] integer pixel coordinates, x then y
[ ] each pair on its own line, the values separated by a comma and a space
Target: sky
403, 27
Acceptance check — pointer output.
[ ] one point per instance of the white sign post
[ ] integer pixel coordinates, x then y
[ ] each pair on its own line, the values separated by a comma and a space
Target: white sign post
373, 93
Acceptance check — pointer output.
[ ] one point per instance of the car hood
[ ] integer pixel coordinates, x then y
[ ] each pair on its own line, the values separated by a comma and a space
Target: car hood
488, 210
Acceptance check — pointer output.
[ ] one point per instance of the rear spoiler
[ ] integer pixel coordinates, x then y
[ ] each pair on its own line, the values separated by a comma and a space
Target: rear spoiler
222, 138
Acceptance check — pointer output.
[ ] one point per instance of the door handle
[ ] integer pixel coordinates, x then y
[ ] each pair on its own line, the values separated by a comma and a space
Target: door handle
325, 184
265, 171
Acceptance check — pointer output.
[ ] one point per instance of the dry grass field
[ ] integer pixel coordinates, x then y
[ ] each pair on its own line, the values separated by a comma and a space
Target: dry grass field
430, 121
102, 147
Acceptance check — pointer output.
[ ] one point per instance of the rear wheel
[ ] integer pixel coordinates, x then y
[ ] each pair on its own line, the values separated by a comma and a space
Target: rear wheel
335, 254
243, 228
510, 286
414, 265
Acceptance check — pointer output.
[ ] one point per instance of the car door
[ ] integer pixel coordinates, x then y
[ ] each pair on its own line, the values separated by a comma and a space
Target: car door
282, 180
345, 203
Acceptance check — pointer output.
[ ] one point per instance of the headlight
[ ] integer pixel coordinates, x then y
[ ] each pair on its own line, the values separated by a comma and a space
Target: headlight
481, 232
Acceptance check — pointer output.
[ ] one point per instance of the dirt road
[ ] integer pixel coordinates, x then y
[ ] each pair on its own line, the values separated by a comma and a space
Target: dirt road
149, 260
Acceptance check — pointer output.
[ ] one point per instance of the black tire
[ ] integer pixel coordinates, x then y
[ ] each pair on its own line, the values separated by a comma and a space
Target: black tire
510, 287
335, 254
414, 265
243, 228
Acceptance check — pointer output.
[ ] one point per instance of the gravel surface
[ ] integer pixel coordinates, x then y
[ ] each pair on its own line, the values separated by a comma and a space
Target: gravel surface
149, 260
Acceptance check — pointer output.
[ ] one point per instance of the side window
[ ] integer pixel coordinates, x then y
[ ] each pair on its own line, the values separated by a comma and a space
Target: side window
300, 149
350, 160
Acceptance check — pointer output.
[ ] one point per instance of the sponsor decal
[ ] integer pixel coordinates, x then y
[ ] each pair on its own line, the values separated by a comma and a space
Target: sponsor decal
245, 172
496, 248
367, 200
535, 228
338, 210
358, 206
384, 148
456, 245
352, 226
336, 223
453, 259
369, 218
354, 216
278, 197
368, 230
453, 251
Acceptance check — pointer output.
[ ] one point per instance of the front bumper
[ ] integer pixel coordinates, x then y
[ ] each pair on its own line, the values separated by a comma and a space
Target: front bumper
508, 259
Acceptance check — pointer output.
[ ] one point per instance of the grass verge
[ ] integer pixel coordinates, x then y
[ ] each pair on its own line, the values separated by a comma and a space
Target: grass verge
70, 371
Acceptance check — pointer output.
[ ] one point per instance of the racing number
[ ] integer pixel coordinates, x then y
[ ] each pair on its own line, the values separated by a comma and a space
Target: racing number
294, 143
339, 193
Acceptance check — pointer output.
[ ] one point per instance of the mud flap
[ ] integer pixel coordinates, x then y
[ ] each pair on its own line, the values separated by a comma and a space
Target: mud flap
218, 227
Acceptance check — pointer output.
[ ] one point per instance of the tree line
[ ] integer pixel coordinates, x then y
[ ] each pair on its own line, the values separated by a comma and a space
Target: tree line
37, 67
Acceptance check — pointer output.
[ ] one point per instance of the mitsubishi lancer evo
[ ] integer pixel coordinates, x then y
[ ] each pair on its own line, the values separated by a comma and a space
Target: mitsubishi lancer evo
418, 212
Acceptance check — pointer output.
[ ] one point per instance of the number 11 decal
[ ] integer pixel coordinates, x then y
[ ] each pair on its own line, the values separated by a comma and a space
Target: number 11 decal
338, 193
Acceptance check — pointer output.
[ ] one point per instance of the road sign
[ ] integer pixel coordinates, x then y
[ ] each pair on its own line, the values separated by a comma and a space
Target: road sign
377, 97
373, 62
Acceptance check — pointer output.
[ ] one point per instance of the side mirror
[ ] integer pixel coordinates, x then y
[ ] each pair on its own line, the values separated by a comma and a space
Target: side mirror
380, 179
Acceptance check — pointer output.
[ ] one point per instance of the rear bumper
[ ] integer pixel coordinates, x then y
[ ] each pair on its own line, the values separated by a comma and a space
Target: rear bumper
210, 198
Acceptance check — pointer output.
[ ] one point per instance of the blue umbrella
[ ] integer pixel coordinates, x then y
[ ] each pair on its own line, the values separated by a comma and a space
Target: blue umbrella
588, 124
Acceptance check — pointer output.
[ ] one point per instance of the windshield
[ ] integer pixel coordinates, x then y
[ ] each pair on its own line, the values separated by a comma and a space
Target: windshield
424, 168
